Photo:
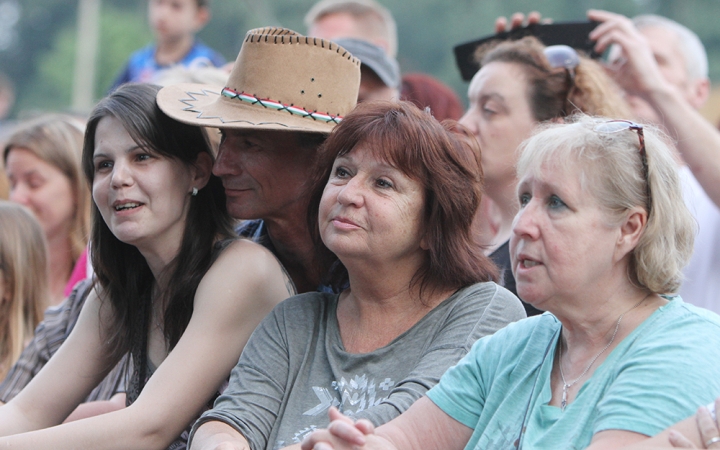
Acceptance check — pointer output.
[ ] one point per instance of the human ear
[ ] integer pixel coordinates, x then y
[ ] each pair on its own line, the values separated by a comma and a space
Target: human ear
631, 230
201, 170
699, 92
202, 17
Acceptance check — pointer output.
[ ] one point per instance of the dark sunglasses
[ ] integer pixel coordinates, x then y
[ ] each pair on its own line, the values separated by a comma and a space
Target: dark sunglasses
616, 126
563, 57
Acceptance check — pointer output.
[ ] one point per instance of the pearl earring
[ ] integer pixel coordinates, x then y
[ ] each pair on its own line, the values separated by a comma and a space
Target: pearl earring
194, 191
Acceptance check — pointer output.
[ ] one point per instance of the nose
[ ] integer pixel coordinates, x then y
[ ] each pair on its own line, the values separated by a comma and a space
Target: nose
225, 163
20, 193
525, 223
351, 193
121, 175
469, 122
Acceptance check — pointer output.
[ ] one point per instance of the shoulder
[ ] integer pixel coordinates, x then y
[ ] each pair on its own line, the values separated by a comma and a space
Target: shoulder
306, 308
527, 336
144, 54
245, 259
244, 277
678, 313
682, 321
201, 50
491, 296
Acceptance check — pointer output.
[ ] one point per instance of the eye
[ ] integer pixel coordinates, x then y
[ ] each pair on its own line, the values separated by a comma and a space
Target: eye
383, 183
524, 199
35, 182
554, 202
341, 172
143, 157
103, 164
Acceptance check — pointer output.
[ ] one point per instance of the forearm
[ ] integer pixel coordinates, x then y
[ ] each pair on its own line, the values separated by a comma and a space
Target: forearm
697, 139
216, 435
120, 430
91, 409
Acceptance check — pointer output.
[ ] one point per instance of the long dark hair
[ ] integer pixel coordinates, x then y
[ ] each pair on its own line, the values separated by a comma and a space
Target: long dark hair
446, 162
123, 274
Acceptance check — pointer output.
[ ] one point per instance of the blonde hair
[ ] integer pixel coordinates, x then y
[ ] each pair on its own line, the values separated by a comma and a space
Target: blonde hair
58, 140
611, 171
24, 268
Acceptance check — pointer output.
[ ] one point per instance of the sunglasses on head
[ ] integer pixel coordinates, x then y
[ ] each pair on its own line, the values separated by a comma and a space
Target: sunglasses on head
616, 126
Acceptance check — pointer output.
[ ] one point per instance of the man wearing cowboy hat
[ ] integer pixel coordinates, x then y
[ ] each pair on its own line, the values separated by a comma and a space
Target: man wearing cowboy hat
285, 94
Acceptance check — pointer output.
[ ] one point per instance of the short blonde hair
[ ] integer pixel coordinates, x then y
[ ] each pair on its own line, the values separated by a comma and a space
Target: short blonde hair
611, 171
58, 140
24, 268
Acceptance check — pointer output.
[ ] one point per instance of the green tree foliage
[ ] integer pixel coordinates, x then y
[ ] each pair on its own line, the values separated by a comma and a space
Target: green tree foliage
42, 61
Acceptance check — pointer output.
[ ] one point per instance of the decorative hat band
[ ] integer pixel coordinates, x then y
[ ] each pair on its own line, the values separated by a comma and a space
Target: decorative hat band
267, 103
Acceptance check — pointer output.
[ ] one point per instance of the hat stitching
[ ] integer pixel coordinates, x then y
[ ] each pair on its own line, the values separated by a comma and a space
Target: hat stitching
272, 104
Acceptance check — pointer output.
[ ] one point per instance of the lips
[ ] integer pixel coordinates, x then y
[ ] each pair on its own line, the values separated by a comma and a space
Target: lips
526, 262
125, 205
344, 222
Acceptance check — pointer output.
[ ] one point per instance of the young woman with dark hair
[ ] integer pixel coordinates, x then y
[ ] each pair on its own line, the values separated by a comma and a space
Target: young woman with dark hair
174, 288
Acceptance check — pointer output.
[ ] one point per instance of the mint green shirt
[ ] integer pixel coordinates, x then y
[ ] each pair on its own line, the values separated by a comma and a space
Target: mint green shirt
658, 375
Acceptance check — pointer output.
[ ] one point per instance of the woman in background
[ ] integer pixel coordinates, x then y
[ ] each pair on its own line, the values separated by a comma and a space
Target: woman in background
42, 162
23, 281
520, 84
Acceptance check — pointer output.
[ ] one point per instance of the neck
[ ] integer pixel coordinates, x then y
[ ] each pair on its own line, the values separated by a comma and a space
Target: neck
61, 266
376, 310
172, 51
581, 340
296, 252
504, 196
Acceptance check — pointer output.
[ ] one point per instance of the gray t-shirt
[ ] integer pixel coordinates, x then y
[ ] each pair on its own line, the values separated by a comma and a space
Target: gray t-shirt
294, 367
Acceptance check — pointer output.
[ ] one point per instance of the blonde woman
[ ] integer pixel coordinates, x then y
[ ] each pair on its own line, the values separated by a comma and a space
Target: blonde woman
23, 280
42, 162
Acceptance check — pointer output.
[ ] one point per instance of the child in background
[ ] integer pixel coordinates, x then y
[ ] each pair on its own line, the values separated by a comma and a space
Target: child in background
174, 24
24, 291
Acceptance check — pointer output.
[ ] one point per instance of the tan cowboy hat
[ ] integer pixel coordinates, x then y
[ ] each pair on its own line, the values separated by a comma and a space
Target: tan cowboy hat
281, 80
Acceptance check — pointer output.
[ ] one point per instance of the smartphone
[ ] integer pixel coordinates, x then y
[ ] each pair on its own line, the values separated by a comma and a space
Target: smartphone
574, 34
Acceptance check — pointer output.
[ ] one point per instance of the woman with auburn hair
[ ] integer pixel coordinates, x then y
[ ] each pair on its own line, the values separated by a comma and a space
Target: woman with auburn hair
23, 281
519, 85
392, 213
599, 242
42, 162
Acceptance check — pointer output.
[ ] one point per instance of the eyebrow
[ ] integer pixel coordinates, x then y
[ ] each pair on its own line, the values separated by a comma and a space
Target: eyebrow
104, 155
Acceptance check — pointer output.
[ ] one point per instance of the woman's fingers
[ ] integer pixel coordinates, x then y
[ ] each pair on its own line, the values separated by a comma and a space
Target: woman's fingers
365, 426
347, 432
708, 428
678, 440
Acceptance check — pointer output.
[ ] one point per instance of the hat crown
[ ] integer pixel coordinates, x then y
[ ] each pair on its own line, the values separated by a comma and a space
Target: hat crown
283, 66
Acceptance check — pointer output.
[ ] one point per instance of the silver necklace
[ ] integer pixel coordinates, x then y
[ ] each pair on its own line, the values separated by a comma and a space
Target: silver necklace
566, 385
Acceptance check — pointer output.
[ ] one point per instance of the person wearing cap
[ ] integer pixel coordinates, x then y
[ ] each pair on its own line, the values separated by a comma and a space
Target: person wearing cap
284, 95
379, 73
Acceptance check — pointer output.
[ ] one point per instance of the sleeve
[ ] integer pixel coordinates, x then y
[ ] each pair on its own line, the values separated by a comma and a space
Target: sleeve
461, 391
122, 78
49, 336
481, 313
664, 380
252, 401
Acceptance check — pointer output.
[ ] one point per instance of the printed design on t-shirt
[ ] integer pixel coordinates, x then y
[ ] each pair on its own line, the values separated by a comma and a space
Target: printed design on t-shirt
356, 395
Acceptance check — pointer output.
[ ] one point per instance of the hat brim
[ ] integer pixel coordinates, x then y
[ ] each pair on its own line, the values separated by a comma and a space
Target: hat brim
198, 104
